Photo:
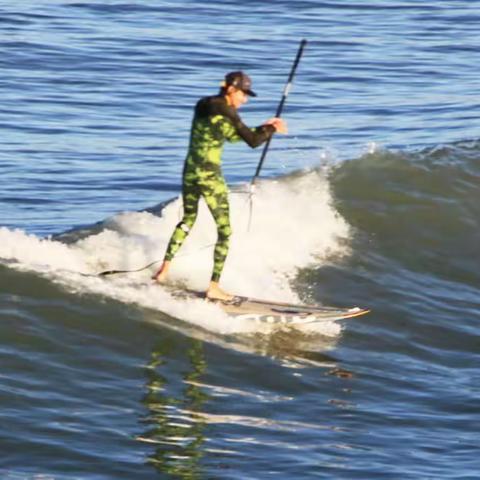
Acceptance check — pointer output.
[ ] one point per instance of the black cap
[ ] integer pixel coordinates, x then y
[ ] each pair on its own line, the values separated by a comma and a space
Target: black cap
241, 81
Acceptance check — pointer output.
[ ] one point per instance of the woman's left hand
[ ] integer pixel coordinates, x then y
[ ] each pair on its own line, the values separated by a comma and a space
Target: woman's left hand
279, 124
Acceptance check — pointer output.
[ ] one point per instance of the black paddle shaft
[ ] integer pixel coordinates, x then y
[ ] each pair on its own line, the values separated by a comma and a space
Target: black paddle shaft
286, 91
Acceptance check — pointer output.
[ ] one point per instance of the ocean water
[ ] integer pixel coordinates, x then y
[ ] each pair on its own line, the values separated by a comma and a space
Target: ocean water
372, 199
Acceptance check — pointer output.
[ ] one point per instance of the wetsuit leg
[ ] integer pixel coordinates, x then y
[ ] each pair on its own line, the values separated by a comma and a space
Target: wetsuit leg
215, 193
191, 196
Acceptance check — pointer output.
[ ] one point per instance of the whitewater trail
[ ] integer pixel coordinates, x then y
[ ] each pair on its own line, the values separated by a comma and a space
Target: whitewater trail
293, 225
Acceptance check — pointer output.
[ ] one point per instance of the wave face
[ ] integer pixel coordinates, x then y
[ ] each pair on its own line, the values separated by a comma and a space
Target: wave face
420, 210
414, 220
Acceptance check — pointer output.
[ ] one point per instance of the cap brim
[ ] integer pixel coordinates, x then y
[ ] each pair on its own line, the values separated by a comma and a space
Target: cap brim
250, 92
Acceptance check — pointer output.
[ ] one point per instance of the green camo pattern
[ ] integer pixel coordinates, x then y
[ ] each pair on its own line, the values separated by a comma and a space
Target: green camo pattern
202, 177
214, 123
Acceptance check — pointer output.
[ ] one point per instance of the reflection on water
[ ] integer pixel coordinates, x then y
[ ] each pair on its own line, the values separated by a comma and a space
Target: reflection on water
174, 426
176, 400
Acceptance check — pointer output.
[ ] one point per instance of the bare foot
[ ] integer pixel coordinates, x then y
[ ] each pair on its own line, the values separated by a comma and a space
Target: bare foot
162, 272
214, 292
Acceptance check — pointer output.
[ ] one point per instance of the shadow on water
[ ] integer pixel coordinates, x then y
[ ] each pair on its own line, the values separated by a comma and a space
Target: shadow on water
293, 346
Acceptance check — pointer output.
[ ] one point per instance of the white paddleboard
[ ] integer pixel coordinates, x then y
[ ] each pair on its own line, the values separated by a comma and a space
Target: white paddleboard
264, 311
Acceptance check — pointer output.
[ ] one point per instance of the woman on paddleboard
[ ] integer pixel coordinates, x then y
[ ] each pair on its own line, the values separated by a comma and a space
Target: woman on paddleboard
215, 120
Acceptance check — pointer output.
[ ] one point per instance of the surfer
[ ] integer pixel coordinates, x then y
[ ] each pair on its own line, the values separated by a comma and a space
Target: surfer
215, 120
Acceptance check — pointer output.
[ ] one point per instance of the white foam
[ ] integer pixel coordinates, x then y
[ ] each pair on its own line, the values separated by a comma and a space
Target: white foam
293, 225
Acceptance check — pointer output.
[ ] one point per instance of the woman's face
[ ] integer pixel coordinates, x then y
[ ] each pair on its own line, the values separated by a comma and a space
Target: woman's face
236, 98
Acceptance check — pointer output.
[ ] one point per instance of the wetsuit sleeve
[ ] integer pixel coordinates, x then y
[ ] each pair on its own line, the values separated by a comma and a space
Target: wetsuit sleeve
233, 129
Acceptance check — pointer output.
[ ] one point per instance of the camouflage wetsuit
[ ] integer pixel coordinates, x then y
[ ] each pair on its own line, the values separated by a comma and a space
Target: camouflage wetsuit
214, 122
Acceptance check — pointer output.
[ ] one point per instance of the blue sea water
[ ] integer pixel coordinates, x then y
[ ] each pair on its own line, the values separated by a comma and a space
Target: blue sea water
372, 199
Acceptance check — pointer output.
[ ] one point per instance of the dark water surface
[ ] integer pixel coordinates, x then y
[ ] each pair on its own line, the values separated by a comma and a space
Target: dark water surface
372, 199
